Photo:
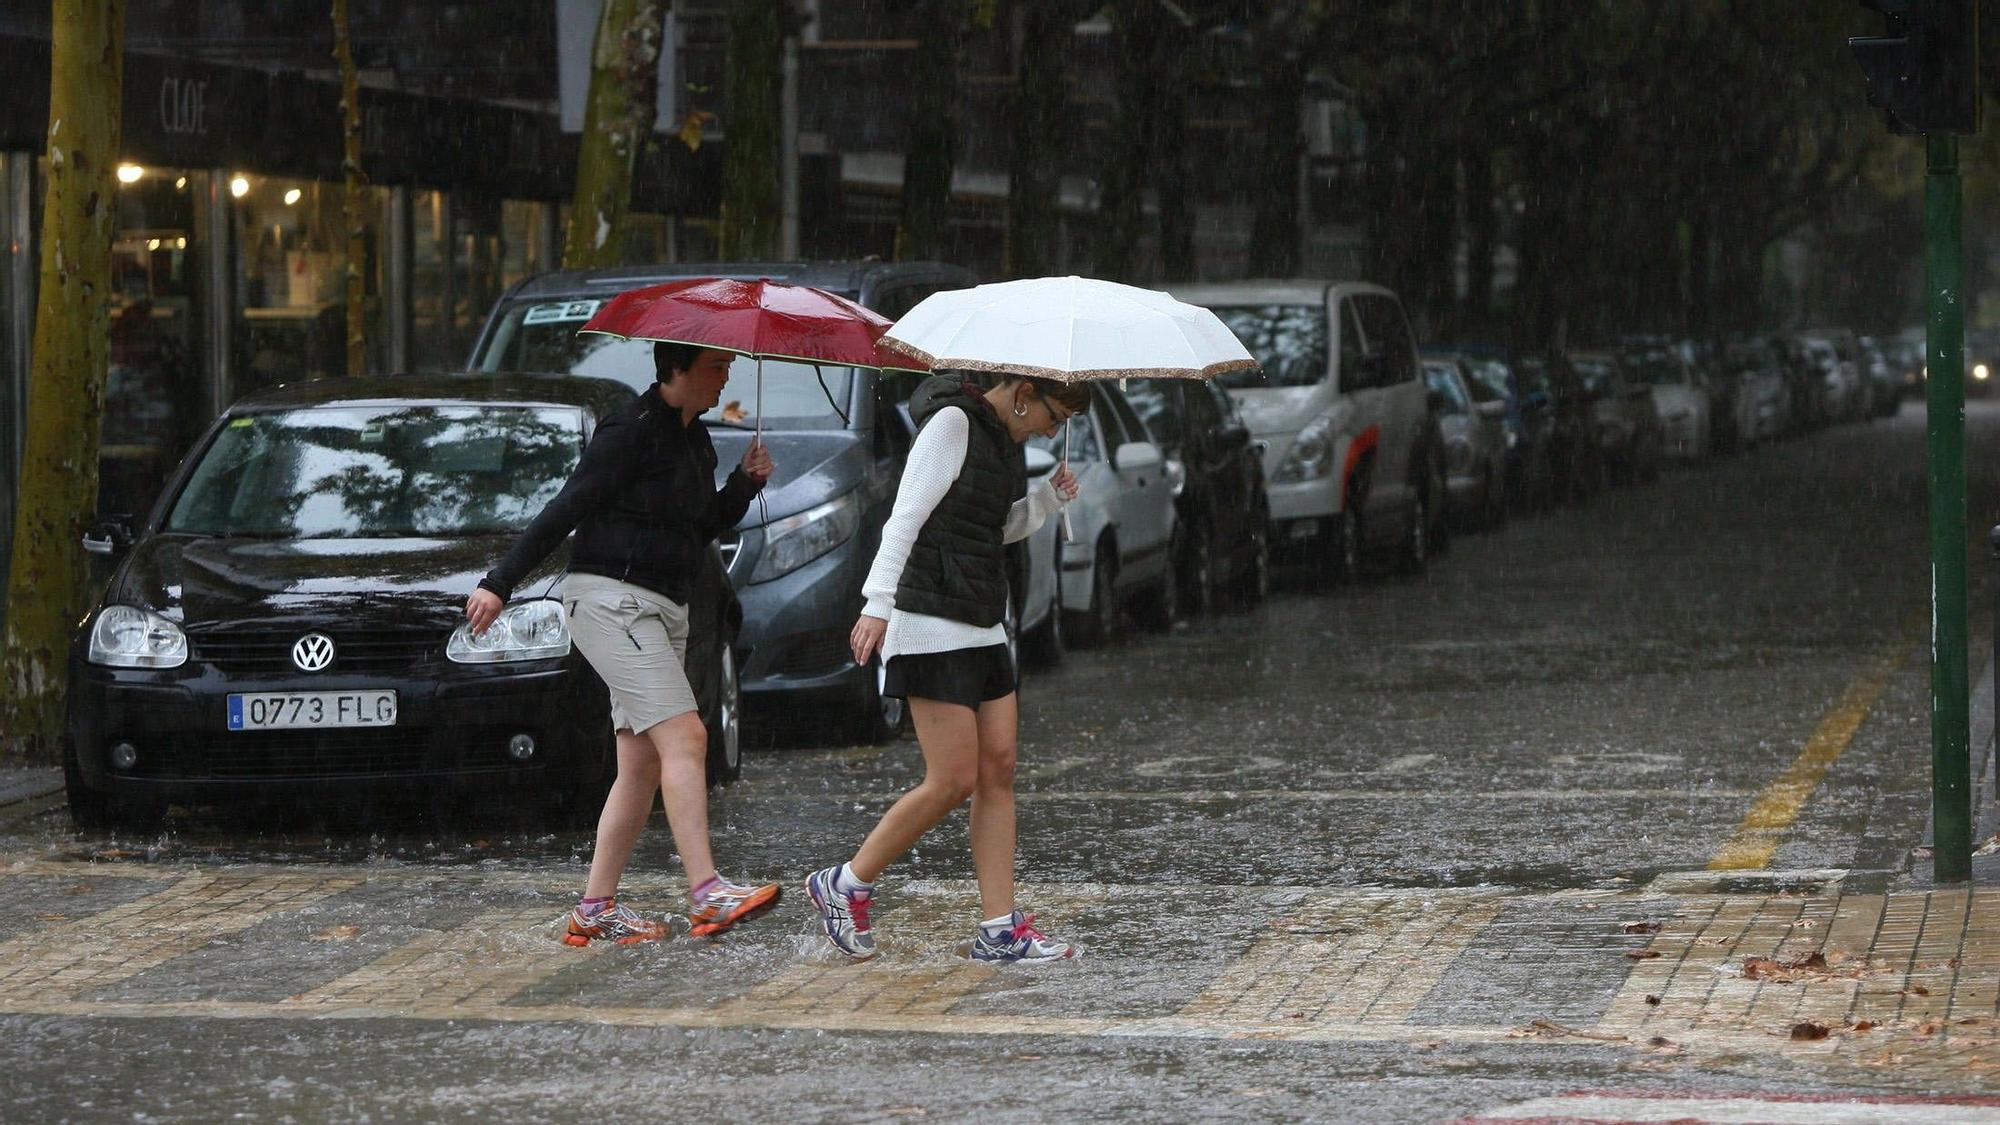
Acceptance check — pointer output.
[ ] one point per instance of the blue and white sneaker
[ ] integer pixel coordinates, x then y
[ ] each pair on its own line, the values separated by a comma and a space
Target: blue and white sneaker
1020, 942
843, 914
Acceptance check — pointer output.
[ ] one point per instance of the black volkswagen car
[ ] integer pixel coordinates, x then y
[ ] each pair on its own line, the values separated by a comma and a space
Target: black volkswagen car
289, 619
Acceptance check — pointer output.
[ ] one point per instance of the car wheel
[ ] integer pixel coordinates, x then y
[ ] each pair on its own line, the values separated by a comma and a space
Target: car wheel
1253, 584
725, 722
1098, 624
1197, 574
1163, 604
1417, 539
1340, 558
1044, 644
880, 717
89, 810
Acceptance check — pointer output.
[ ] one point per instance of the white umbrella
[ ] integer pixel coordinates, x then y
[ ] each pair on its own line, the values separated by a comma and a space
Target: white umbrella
1068, 328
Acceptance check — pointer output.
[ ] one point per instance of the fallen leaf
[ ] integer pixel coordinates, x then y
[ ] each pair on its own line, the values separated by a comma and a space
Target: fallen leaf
1917, 990
1804, 924
1865, 1025
1661, 1045
1548, 1027
1930, 1027
338, 933
1807, 1029
78, 889
1642, 954
1653, 1000
1641, 927
1989, 847
51, 917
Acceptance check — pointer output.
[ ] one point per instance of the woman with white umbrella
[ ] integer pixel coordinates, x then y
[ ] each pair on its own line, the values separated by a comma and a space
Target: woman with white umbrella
938, 589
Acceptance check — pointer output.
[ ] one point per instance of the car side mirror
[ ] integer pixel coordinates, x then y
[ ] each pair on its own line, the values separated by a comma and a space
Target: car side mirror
1040, 461
111, 535
1136, 455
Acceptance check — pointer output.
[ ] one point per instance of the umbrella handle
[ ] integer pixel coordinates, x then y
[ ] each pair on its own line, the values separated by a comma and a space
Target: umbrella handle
1068, 533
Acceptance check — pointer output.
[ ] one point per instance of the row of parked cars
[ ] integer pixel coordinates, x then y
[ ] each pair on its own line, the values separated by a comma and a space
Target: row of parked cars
286, 620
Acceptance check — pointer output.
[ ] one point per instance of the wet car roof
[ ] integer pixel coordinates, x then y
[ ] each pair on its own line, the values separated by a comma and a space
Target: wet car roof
837, 277
599, 395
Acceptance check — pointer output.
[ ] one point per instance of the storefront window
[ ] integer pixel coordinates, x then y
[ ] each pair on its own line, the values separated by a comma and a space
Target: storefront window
291, 278
468, 249
154, 394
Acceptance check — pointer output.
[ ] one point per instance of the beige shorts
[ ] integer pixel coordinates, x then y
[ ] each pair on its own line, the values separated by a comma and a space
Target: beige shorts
636, 641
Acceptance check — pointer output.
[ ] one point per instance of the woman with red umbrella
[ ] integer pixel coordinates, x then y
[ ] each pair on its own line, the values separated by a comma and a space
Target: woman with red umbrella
644, 507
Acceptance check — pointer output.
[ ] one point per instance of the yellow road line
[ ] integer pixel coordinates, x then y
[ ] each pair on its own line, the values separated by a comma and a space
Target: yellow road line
1779, 803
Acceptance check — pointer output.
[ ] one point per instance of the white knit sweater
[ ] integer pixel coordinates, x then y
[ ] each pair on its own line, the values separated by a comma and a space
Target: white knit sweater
934, 463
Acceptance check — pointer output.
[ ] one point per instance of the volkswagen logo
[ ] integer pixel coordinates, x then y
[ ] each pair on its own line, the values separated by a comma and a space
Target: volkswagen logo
312, 652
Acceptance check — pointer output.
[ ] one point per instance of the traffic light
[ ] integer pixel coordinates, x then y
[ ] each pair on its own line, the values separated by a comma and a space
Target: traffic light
1925, 70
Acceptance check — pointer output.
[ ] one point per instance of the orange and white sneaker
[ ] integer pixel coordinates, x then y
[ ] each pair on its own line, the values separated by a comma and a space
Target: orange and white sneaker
727, 904
617, 924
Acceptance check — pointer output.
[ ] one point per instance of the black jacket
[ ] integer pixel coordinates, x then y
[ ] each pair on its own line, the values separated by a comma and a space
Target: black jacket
642, 501
957, 568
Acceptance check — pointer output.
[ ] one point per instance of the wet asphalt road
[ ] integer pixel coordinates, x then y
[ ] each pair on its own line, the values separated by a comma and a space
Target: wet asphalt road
1580, 701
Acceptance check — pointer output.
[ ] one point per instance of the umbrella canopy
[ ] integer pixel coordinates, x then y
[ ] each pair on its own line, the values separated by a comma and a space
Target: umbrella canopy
761, 319
1068, 328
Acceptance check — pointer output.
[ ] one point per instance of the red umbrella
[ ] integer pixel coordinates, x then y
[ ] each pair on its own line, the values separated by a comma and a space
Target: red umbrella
761, 319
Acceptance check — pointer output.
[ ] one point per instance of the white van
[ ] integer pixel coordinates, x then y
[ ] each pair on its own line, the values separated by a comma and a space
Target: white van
1341, 412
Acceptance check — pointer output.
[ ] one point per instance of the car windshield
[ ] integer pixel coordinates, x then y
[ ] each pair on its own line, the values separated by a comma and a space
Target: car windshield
1438, 375
1597, 373
1656, 368
380, 472
543, 337
1288, 341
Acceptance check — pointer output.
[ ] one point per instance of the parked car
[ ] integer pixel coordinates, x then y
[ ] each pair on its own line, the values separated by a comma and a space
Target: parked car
1352, 461
1628, 425
1528, 419
289, 618
1687, 419
1884, 381
1763, 401
1576, 461
1222, 511
1123, 527
1473, 421
1835, 353
801, 553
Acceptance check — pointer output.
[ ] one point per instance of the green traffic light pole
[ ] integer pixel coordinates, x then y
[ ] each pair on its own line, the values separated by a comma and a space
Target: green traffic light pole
1951, 766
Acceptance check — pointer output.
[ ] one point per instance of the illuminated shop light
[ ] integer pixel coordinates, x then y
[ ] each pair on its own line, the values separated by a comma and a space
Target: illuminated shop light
130, 173
292, 196
239, 187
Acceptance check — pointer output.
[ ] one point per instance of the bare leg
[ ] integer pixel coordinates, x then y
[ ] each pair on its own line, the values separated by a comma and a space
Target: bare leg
993, 806
682, 743
625, 811
949, 735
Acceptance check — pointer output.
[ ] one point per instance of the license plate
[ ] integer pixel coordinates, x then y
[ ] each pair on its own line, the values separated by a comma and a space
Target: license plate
291, 710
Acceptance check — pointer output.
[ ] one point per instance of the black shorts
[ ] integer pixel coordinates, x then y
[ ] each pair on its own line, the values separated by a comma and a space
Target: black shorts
965, 676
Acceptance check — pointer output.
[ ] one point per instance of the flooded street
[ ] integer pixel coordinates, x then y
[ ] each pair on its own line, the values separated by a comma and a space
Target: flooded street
1459, 846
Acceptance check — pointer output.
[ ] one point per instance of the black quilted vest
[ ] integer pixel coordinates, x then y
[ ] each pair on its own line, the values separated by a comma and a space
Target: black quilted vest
958, 567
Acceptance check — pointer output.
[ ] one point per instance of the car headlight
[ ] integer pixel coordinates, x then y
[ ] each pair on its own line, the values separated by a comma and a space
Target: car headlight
128, 637
794, 541
1981, 371
532, 630
1311, 454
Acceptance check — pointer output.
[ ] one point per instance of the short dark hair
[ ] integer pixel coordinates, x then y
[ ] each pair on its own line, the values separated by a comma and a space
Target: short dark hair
669, 357
1073, 396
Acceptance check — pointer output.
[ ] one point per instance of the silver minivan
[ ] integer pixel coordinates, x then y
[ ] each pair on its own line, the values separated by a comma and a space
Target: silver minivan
1352, 462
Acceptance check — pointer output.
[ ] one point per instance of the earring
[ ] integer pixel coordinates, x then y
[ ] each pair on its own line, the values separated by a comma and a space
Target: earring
1020, 409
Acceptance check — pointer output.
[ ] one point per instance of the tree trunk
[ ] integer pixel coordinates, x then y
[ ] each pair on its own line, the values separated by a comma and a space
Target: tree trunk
1128, 150
1034, 162
356, 202
624, 97
58, 487
1481, 236
1274, 228
931, 150
1171, 65
750, 127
